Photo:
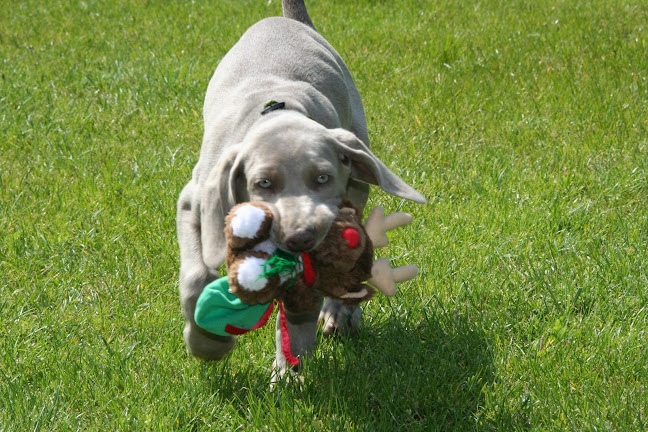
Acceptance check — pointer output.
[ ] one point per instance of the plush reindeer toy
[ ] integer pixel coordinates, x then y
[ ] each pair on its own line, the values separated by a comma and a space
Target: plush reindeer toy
259, 272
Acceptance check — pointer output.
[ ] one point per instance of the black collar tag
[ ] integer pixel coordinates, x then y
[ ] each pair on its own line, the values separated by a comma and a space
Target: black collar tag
272, 106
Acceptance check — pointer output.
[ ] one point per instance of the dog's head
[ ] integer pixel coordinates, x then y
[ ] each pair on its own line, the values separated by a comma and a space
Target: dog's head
300, 167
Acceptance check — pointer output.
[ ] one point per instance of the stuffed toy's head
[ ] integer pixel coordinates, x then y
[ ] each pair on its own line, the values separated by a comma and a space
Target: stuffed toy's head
338, 267
258, 271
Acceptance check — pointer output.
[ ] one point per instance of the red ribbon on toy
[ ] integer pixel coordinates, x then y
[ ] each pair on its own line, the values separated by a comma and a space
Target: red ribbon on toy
309, 273
237, 331
285, 337
283, 325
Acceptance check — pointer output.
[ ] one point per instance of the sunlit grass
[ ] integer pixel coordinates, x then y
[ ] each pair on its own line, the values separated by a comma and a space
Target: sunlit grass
524, 124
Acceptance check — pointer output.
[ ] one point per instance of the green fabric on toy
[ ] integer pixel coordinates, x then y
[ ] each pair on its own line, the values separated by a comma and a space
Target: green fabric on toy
220, 312
282, 264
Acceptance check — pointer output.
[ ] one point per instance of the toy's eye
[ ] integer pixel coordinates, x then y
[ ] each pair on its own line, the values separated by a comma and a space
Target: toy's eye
264, 184
323, 179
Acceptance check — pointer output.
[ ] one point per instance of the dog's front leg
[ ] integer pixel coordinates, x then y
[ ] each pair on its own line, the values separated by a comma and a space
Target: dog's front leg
300, 329
194, 276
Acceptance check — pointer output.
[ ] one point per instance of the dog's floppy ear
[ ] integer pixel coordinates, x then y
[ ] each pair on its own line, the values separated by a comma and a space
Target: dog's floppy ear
366, 167
218, 197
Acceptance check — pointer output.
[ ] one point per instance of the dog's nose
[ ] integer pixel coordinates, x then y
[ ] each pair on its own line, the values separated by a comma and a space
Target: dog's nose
301, 240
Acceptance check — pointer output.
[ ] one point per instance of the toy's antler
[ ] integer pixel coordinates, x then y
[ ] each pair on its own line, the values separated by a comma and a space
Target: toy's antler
383, 277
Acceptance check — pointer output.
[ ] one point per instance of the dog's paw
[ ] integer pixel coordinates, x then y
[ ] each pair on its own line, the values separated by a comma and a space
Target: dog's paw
338, 318
205, 345
285, 375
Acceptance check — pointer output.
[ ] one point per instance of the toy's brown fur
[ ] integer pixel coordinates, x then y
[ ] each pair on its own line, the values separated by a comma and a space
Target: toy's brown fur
339, 269
239, 248
240, 244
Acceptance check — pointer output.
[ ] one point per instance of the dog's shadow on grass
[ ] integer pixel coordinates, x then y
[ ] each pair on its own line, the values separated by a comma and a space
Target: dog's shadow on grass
425, 375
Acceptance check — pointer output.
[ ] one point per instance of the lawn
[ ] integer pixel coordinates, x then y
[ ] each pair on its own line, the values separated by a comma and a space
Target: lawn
525, 124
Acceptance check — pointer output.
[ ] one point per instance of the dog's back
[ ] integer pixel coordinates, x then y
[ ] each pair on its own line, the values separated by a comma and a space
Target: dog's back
285, 60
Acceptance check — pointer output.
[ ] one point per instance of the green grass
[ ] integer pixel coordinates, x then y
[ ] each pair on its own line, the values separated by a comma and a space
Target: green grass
524, 123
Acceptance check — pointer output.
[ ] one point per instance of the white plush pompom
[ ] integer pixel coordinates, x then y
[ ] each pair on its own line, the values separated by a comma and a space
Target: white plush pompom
265, 246
249, 272
247, 220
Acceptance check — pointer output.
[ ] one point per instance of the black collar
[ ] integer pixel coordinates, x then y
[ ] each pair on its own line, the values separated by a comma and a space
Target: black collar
272, 105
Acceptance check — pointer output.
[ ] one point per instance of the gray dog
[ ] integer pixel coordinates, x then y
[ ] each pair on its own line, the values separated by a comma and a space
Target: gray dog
284, 124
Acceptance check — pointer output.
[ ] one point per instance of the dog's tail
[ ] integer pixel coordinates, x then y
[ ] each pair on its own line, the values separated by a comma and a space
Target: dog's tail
296, 9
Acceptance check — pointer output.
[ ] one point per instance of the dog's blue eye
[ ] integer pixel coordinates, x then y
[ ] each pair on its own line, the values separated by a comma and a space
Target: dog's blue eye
323, 179
265, 184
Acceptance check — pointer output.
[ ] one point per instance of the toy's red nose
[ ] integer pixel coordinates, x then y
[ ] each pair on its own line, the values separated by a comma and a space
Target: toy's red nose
301, 240
352, 236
